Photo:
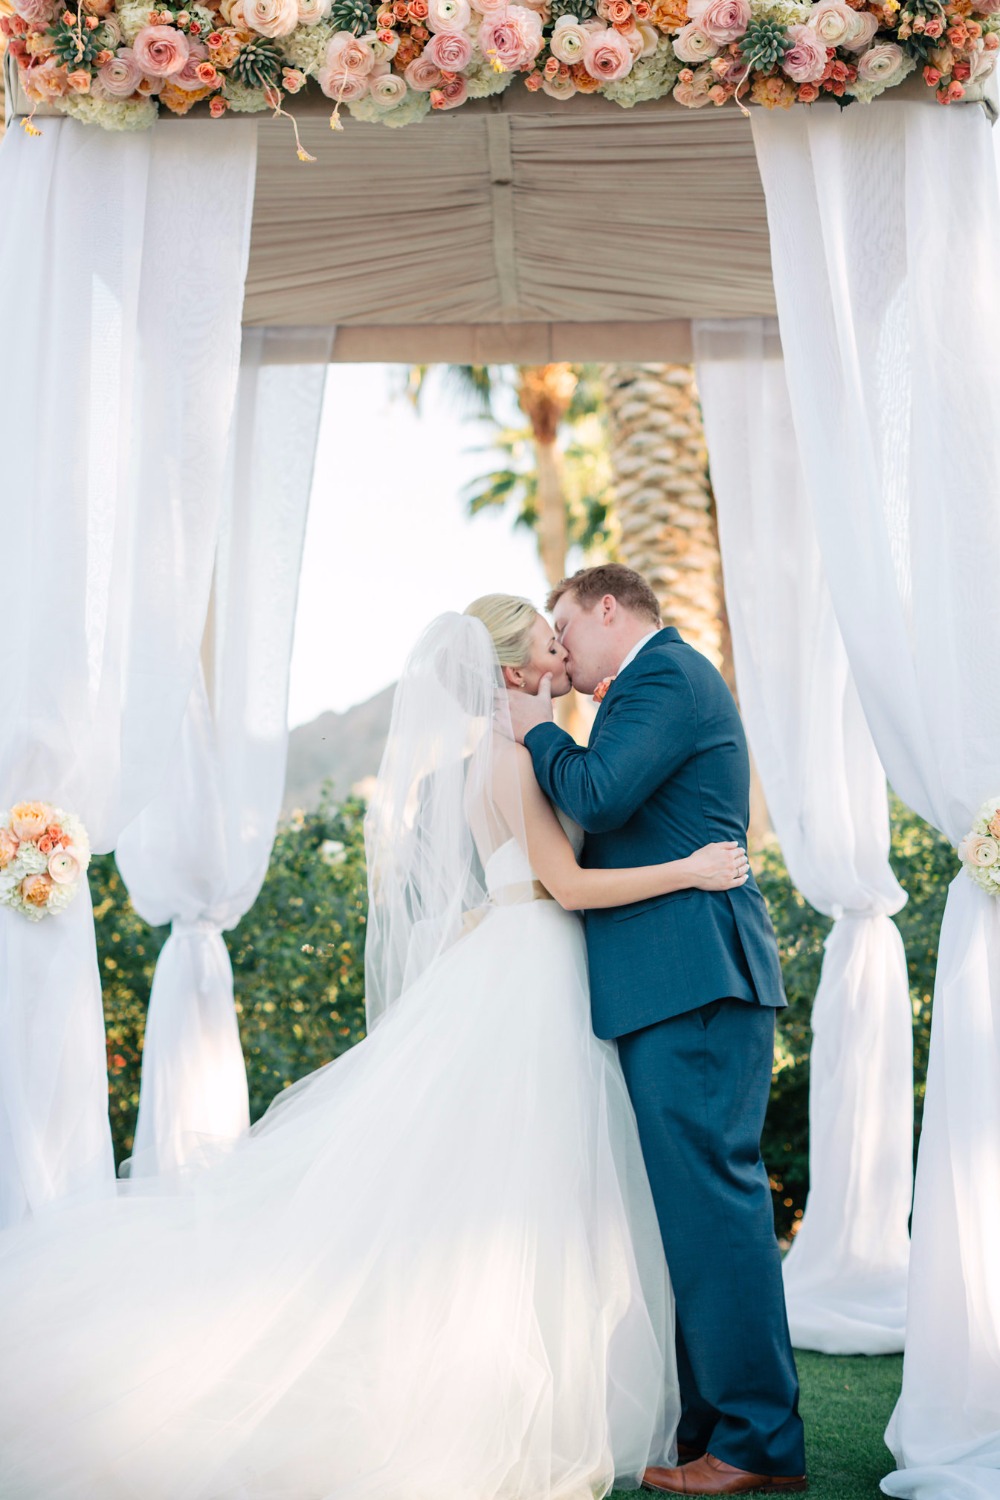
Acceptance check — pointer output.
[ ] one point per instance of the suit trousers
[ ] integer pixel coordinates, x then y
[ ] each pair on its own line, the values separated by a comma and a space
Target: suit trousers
699, 1084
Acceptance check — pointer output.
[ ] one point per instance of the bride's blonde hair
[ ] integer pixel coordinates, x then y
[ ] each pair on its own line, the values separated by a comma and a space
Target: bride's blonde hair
510, 621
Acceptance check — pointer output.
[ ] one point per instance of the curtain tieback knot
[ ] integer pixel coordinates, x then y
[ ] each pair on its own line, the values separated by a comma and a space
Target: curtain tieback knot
192, 929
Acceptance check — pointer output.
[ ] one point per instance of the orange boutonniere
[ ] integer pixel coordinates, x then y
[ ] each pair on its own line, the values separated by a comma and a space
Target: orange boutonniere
600, 691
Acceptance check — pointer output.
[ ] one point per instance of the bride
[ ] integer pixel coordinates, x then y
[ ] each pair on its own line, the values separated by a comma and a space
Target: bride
432, 1271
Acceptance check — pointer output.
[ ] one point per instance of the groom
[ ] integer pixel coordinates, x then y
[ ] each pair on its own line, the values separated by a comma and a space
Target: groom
688, 984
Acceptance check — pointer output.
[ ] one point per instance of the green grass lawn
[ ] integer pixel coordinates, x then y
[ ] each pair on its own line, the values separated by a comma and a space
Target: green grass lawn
846, 1403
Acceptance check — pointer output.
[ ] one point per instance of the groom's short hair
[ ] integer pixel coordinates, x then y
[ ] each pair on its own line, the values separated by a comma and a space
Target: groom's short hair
627, 586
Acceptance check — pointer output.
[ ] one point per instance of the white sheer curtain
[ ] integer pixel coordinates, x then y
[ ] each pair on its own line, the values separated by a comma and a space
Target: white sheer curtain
845, 1275
885, 240
124, 259
196, 856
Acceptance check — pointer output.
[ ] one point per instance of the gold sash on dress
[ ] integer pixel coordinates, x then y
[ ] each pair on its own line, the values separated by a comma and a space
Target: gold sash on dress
508, 895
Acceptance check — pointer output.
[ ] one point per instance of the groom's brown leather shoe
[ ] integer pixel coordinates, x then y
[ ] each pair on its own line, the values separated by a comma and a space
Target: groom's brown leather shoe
687, 1453
710, 1476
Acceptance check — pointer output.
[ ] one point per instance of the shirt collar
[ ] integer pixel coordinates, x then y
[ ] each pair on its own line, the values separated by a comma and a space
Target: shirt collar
636, 649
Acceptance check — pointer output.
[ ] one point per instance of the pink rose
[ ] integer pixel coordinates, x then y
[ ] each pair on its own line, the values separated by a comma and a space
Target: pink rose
607, 56
448, 15
452, 93
806, 59
723, 20
513, 39
349, 54
633, 39
451, 51
271, 17
36, 12
64, 867
161, 50
567, 40
693, 45
423, 74
120, 76
187, 78
342, 86
865, 27
882, 64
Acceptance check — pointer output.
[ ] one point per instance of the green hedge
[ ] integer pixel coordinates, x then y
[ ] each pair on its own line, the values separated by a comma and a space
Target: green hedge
298, 963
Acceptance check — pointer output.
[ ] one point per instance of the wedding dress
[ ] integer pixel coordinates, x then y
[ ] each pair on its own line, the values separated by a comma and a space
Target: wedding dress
431, 1272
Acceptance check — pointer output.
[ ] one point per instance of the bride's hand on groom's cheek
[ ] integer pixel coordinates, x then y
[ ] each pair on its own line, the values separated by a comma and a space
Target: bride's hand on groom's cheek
528, 710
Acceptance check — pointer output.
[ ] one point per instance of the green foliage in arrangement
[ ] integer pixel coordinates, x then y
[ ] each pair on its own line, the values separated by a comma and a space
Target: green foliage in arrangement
925, 865
298, 962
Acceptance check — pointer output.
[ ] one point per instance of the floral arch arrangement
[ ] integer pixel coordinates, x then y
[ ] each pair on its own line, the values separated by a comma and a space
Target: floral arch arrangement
116, 62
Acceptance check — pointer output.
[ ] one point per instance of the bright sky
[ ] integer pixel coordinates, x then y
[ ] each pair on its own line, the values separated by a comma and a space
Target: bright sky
388, 544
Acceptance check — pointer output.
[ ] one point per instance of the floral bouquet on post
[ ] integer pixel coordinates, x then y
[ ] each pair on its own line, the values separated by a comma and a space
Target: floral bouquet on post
979, 851
44, 854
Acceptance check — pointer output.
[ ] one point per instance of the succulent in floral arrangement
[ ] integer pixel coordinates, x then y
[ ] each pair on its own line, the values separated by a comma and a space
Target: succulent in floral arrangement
352, 15
258, 64
764, 43
73, 46
583, 10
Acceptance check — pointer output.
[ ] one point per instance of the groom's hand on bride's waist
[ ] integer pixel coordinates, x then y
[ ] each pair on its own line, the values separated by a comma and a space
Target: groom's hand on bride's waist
528, 710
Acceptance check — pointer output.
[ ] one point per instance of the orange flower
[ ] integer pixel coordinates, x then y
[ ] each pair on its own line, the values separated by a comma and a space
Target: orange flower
8, 847
179, 101
29, 819
601, 690
583, 80
35, 890
79, 81
668, 15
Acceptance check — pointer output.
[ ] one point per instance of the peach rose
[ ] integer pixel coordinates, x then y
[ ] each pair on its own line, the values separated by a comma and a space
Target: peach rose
36, 889
8, 847
342, 86
161, 50
567, 39
45, 81
451, 51
448, 15
615, 12
452, 93
723, 20
217, 108
28, 820
693, 45
64, 867
560, 87
607, 56
349, 54
805, 61
292, 80
976, 849
271, 17
513, 39
120, 77
584, 83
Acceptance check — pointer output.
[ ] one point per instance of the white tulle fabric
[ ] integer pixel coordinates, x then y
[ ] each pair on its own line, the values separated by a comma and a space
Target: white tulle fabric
885, 238
845, 1275
432, 1270
197, 854
122, 355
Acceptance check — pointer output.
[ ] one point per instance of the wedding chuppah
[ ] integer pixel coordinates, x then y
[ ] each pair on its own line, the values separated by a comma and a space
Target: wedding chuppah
832, 271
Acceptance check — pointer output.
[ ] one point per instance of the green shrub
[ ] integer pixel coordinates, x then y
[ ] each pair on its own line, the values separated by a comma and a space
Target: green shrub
924, 864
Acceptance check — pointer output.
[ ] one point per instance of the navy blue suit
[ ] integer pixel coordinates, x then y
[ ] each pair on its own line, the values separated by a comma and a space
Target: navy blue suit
689, 983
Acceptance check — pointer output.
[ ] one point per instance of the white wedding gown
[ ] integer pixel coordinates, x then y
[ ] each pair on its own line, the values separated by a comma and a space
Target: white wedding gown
432, 1272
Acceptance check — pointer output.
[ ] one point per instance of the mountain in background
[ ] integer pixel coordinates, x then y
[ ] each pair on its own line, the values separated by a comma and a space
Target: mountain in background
343, 748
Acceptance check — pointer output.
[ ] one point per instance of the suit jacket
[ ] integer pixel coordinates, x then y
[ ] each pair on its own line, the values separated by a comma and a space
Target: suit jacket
666, 771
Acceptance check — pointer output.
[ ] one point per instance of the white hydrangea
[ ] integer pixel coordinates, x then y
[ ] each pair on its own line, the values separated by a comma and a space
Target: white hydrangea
243, 100
412, 109
30, 861
651, 78
204, 16
306, 47
866, 92
484, 80
132, 15
785, 12
110, 114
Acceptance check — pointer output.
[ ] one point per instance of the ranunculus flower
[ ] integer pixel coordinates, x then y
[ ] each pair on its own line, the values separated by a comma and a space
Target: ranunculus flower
312, 11
187, 79
29, 820
512, 38
348, 53
834, 22
882, 64
388, 91
271, 17
865, 27
977, 849
723, 20
567, 39
161, 50
64, 867
37, 12
423, 74
35, 890
342, 86
607, 56
489, 7
8, 847
452, 93
451, 51
448, 15
120, 77
693, 45
805, 61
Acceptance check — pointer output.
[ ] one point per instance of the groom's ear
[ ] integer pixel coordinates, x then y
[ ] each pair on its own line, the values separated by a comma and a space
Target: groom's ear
609, 609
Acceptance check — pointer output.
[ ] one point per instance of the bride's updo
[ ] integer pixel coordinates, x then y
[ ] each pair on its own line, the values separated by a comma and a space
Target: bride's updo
510, 621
